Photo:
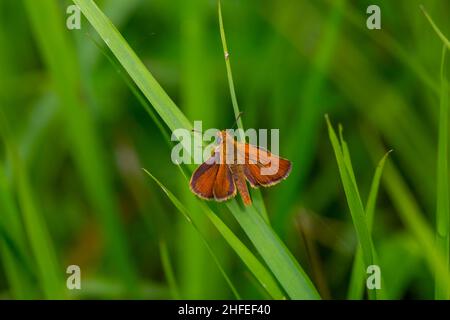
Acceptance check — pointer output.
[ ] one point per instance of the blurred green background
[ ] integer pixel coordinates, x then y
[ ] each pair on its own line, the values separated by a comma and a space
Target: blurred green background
74, 140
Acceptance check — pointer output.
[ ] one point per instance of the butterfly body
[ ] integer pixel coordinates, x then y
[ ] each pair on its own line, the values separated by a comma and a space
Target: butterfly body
231, 165
237, 171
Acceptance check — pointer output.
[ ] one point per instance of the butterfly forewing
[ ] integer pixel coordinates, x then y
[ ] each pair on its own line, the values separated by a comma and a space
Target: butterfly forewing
262, 168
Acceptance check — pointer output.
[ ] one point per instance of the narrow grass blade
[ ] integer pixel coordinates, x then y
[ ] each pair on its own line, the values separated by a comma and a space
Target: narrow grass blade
356, 287
435, 28
186, 214
135, 90
145, 81
168, 270
253, 264
226, 54
49, 274
442, 189
283, 265
255, 223
353, 198
412, 216
260, 272
13, 245
257, 197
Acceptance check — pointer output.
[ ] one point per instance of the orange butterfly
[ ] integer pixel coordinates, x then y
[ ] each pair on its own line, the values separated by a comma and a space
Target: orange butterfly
226, 171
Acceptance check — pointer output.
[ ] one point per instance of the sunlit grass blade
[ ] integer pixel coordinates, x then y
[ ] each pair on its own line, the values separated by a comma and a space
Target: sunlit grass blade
186, 214
48, 271
356, 286
353, 198
435, 28
442, 291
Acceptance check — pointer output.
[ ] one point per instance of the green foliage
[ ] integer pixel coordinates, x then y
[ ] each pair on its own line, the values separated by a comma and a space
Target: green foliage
83, 111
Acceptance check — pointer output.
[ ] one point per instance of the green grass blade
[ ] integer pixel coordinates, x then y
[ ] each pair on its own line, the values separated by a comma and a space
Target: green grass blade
46, 19
257, 197
168, 270
145, 81
435, 28
186, 214
226, 54
13, 244
356, 287
283, 265
353, 198
347, 159
442, 190
135, 90
373, 193
174, 119
411, 215
49, 274
260, 272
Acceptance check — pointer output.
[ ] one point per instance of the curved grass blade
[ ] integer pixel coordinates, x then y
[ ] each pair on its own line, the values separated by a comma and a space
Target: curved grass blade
356, 287
168, 270
353, 198
186, 214
283, 265
257, 197
442, 188
253, 264
435, 28
145, 81
412, 216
